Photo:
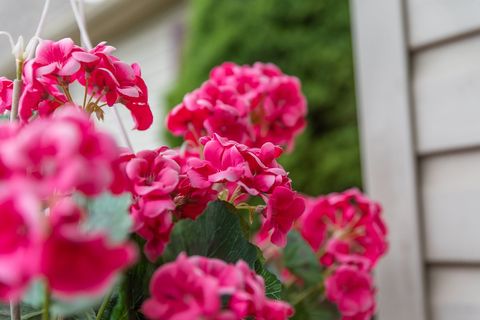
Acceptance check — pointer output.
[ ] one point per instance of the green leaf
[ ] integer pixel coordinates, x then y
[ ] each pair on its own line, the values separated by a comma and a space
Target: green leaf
301, 261
215, 234
133, 292
108, 213
273, 286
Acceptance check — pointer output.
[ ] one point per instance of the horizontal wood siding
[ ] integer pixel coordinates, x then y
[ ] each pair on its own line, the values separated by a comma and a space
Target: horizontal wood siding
450, 189
446, 85
454, 293
445, 52
431, 21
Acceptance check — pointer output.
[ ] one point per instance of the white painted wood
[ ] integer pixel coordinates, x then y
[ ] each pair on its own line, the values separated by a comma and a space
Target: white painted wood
389, 164
436, 20
447, 96
450, 188
454, 293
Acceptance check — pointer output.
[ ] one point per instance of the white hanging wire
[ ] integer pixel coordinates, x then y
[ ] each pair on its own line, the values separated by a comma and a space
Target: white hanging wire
80, 19
81, 24
10, 39
17, 48
41, 22
32, 44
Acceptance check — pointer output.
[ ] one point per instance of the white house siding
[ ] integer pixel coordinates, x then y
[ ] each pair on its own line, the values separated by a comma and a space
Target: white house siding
439, 49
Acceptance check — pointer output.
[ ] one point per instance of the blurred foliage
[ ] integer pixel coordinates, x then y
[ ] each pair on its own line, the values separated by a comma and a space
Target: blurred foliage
309, 39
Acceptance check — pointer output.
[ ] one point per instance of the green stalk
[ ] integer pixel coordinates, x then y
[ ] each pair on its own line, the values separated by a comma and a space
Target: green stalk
46, 304
104, 305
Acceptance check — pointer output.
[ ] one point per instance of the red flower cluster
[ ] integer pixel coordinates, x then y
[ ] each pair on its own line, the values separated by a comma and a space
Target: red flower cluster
249, 104
248, 172
210, 289
54, 154
345, 223
168, 183
351, 289
41, 230
57, 65
348, 231
161, 187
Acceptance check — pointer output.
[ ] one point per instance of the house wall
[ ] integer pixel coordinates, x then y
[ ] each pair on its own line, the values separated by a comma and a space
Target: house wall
418, 79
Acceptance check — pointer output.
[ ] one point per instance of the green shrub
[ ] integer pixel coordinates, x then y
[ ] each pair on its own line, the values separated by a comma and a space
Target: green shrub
306, 38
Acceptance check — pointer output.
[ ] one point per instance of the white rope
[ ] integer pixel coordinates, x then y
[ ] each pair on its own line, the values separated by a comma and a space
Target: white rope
10, 39
80, 19
81, 25
41, 23
32, 44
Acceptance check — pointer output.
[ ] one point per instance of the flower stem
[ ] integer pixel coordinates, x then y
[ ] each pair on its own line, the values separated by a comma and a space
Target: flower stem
66, 91
307, 293
104, 305
15, 311
85, 93
17, 89
46, 304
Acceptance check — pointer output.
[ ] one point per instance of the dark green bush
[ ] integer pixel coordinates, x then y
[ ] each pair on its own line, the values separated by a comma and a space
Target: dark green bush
306, 38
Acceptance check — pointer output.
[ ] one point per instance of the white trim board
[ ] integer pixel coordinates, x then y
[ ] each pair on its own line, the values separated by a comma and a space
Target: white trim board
388, 151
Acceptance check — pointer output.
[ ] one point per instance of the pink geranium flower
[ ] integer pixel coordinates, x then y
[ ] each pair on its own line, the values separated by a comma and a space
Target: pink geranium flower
152, 174
153, 222
56, 58
351, 289
255, 170
284, 207
163, 187
194, 288
114, 81
345, 223
6, 91
57, 152
75, 262
249, 104
21, 231
108, 80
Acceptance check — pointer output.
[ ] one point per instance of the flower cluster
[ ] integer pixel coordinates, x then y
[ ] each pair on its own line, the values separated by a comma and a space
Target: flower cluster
42, 235
161, 190
210, 289
48, 76
345, 223
169, 184
245, 172
348, 233
54, 163
249, 104
351, 289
